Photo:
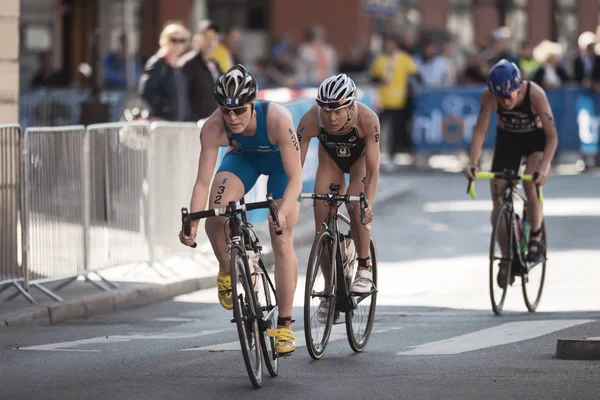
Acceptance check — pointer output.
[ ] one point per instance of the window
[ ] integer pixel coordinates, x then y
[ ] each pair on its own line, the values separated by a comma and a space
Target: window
517, 20
565, 26
246, 14
461, 23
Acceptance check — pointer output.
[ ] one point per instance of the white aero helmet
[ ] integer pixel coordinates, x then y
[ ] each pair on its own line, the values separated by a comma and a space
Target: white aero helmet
336, 92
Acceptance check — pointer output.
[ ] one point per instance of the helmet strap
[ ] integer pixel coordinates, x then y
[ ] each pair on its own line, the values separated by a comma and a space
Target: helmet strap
349, 117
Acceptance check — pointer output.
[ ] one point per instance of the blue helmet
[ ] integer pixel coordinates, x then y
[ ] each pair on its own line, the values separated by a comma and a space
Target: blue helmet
504, 78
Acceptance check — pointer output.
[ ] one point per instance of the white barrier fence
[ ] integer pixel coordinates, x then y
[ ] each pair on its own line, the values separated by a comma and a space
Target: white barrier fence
85, 199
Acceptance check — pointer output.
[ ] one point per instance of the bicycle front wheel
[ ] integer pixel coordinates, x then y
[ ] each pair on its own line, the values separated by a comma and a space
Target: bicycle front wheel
534, 276
245, 315
266, 309
500, 259
319, 295
359, 322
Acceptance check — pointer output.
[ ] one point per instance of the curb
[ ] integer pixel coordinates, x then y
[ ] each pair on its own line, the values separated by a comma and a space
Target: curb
103, 303
582, 348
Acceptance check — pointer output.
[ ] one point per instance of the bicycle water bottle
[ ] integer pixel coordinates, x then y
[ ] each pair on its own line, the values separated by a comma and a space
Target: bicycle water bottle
255, 270
350, 255
524, 236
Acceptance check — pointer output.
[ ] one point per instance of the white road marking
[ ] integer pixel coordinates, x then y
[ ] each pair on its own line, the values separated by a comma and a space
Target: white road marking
338, 333
495, 336
68, 346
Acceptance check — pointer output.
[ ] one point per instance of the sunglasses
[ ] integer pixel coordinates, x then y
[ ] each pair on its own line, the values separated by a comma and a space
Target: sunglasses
510, 96
330, 105
237, 111
177, 40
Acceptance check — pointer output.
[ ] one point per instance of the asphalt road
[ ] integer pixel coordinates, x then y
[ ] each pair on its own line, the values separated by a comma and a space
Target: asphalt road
435, 335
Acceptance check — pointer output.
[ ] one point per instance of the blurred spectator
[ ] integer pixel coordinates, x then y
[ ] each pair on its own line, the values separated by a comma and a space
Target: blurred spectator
233, 41
433, 69
201, 71
391, 70
223, 53
453, 59
47, 77
476, 71
280, 71
583, 65
595, 78
550, 74
408, 42
164, 85
528, 64
501, 39
114, 68
354, 62
317, 59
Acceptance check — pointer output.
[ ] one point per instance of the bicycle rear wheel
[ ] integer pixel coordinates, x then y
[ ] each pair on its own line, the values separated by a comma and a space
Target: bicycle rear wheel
500, 265
319, 295
359, 322
533, 278
266, 309
244, 315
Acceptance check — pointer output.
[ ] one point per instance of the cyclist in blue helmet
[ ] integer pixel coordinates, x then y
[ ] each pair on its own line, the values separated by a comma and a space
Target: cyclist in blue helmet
526, 128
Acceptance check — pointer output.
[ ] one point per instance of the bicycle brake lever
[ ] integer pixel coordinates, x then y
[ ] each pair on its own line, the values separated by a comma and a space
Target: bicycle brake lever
186, 226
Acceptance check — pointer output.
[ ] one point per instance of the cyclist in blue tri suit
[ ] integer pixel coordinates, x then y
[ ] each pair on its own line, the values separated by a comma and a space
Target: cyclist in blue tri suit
526, 128
261, 140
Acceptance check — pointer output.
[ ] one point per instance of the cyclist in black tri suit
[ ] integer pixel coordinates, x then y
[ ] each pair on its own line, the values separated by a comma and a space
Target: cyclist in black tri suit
526, 128
348, 133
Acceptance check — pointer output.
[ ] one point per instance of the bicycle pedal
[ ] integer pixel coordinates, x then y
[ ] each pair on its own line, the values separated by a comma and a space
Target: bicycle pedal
284, 355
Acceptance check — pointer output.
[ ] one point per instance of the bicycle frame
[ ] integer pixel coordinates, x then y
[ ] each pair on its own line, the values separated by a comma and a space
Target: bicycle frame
345, 301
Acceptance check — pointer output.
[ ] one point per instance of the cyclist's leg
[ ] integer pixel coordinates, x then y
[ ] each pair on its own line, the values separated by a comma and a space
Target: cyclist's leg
535, 211
363, 282
507, 155
286, 266
360, 234
327, 173
234, 178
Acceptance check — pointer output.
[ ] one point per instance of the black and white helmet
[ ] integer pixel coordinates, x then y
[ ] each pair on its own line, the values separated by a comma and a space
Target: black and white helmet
336, 92
235, 88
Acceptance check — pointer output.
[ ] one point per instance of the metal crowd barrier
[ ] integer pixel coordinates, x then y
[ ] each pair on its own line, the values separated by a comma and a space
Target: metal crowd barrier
12, 268
118, 188
55, 201
173, 161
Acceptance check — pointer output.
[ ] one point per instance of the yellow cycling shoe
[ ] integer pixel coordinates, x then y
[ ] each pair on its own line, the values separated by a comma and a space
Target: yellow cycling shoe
224, 290
285, 340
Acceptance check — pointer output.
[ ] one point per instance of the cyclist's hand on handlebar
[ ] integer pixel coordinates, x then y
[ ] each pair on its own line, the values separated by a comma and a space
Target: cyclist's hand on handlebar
470, 172
540, 178
188, 240
368, 216
282, 222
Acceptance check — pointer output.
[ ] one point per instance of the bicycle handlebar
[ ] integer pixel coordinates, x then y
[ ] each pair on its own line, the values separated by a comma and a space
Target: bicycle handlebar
342, 198
509, 177
229, 211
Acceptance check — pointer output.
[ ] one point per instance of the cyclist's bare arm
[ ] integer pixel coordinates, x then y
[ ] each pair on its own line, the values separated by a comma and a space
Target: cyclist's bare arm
371, 130
212, 137
307, 129
282, 132
487, 107
541, 107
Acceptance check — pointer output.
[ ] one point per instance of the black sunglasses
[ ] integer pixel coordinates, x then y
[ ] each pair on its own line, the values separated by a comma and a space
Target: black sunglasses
177, 40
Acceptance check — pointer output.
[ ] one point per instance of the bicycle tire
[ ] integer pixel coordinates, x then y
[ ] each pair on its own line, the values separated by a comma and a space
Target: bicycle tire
358, 342
532, 305
247, 323
503, 214
323, 239
266, 301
